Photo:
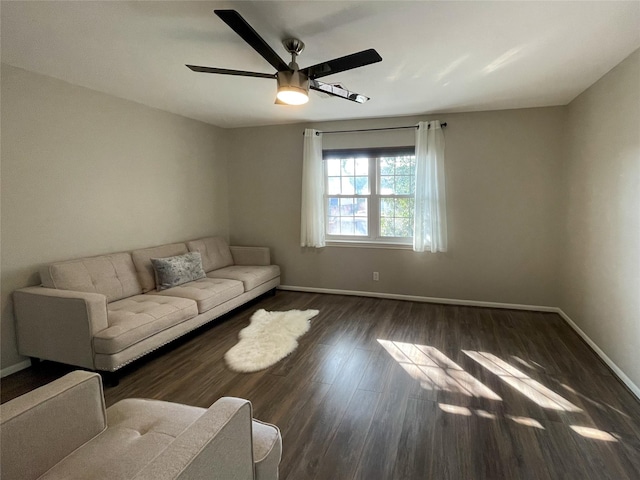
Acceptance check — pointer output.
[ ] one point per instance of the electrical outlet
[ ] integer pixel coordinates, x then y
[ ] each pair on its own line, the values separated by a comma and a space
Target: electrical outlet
376, 276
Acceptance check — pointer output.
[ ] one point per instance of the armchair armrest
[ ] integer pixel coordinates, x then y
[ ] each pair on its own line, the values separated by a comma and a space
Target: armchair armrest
217, 445
45, 425
251, 255
59, 324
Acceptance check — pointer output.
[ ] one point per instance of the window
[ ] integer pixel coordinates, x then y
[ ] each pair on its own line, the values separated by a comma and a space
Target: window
369, 195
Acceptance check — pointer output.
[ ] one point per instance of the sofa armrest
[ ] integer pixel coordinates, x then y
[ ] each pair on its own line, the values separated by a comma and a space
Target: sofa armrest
45, 425
217, 445
59, 324
251, 255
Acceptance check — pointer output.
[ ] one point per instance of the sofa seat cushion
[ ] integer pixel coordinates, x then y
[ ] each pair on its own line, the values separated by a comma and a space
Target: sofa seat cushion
135, 318
250, 276
206, 292
138, 430
267, 449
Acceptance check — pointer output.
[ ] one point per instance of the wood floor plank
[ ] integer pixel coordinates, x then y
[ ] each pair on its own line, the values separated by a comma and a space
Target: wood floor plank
315, 432
388, 389
381, 445
341, 458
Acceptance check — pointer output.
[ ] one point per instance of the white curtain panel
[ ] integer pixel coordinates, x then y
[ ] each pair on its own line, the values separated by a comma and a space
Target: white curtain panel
430, 221
312, 225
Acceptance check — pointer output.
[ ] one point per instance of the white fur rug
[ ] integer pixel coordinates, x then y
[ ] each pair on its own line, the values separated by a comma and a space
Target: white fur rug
269, 338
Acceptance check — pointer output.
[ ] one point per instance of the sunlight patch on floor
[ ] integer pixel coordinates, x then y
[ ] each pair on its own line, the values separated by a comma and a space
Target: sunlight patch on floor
593, 433
455, 409
529, 422
435, 371
524, 384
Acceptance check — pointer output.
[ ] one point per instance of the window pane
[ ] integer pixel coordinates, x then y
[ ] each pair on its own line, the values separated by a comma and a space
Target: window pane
333, 225
362, 166
362, 226
397, 175
347, 226
334, 186
386, 227
386, 165
333, 168
386, 207
362, 185
347, 186
347, 206
403, 227
347, 166
361, 209
333, 206
403, 185
404, 207
404, 165
386, 185
396, 217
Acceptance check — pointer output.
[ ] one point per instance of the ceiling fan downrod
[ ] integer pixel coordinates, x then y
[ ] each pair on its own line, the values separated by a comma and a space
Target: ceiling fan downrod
295, 47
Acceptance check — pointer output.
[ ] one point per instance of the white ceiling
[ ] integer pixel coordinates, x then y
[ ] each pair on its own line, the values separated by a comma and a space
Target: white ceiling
437, 56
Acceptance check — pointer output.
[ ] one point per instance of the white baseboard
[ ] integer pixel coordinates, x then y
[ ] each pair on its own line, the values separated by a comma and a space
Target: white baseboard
605, 358
15, 368
474, 303
415, 298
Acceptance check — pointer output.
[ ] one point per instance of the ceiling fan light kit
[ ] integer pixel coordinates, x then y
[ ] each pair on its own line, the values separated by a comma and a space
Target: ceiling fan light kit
293, 83
293, 88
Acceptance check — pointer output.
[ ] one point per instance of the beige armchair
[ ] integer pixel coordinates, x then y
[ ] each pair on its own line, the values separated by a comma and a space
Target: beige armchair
63, 431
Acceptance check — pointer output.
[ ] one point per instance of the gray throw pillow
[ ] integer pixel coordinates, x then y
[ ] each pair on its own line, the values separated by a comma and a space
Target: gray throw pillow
173, 271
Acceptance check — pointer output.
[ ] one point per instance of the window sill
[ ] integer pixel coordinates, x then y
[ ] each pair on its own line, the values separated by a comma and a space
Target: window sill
356, 244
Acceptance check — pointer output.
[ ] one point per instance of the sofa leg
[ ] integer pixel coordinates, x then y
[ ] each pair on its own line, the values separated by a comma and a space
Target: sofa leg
272, 292
109, 379
35, 362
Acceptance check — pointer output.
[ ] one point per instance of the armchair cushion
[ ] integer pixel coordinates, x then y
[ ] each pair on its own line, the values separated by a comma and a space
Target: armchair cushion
139, 430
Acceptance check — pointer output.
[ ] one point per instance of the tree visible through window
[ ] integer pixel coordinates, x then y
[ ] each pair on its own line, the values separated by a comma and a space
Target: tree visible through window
369, 194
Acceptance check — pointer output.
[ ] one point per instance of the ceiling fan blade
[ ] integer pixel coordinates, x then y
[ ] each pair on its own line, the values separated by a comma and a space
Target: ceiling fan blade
249, 35
226, 71
337, 91
341, 64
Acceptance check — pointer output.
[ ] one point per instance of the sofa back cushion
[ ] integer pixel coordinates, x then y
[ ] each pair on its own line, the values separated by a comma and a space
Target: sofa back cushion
111, 275
142, 261
214, 251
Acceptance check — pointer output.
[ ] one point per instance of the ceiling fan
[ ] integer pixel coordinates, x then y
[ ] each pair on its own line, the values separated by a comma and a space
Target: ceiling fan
293, 82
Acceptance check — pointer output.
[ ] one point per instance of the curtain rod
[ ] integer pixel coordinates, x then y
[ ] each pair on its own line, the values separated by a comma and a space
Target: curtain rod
374, 129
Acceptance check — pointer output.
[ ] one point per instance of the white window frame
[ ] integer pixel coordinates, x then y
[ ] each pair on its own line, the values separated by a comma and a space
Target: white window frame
373, 198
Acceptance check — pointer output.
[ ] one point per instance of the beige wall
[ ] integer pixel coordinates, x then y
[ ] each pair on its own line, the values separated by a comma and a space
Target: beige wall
601, 253
503, 194
85, 173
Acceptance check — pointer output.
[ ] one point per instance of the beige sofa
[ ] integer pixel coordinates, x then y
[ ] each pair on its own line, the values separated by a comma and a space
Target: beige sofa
104, 312
63, 431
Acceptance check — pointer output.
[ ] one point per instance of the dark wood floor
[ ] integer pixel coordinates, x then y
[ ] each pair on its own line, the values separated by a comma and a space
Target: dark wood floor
385, 389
